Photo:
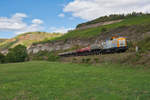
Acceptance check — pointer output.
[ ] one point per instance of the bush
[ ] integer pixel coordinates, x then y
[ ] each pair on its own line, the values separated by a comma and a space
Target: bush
104, 29
41, 55
17, 54
45, 55
131, 46
74, 60
83, 60
144, 45
86, 60
53, 57
2, 58
96, 60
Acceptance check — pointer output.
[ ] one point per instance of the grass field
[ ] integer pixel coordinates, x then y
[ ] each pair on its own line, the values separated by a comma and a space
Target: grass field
40, 80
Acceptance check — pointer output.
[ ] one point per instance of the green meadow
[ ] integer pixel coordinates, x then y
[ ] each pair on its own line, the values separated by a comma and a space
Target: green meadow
41, 80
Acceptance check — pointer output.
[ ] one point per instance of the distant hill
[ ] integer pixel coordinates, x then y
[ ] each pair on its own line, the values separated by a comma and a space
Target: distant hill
27, 39
2, 40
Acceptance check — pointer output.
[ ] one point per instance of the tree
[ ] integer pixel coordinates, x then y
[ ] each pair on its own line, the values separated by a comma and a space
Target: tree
2, 58
17, 54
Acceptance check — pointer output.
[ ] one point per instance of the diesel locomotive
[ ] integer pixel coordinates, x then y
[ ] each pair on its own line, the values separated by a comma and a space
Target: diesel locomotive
113, 45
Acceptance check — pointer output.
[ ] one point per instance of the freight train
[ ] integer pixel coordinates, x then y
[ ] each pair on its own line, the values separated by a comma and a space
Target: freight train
113, 45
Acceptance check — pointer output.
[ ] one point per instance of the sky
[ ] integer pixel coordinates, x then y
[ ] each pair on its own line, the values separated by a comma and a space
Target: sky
21, 16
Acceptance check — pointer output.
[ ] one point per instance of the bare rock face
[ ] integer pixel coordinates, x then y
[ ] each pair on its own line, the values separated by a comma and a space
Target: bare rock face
4, 52
57, 46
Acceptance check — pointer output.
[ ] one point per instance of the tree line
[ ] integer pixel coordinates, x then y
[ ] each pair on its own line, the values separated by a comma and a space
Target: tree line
16, 54
20, 54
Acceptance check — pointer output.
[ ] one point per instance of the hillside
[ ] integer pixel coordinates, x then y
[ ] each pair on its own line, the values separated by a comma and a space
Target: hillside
112, 17
129, 27
2, 40
93, 32
27, 39
136, 29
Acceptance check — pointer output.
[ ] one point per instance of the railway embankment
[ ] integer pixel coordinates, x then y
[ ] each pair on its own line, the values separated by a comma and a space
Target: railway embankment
127, 58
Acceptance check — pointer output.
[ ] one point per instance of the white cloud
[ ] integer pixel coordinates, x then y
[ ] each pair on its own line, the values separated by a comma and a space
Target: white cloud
17, 24
60, 30
91, 9
37, 21
13, 23
35, 26
19, 15
61, 15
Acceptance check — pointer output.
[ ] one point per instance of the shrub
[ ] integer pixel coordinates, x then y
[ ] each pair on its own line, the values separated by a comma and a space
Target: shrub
2, 58
96, 60
83, 60
104, 29
17, 54
74, 60
45, 55
144, 45
131, 46
136, 57
65, 40
86, 60
41, 55
53, 57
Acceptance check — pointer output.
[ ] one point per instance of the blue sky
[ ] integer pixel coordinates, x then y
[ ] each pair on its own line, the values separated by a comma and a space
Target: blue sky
20, 16
46, 10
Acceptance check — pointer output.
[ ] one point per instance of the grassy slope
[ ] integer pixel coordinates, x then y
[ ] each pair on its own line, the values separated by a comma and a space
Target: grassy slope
91, 32
57, 81
27, 39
